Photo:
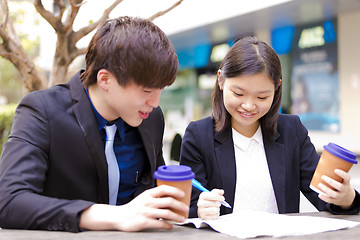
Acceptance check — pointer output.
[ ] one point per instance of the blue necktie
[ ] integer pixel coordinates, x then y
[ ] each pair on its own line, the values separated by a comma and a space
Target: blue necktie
113, 169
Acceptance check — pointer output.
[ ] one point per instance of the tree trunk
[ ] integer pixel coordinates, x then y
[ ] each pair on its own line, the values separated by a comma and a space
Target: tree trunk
31, 78
58, 74
65, 53
11, 49
62, 59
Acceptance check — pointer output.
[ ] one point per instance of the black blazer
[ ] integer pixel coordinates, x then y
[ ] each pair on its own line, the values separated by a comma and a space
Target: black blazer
53, 165
291, 158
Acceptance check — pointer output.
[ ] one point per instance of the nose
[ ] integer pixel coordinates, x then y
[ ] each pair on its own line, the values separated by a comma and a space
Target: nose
154, 98
248, 105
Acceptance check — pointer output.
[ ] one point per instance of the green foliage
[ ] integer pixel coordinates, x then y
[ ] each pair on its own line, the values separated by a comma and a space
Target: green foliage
6, 117
31, 47
10, 81
8, 73
17, 16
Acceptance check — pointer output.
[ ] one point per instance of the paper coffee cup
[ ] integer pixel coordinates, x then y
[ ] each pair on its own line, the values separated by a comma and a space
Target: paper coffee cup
178, 176
333, 157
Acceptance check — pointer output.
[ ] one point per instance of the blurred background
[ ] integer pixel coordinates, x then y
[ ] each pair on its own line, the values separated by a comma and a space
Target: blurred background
317, 41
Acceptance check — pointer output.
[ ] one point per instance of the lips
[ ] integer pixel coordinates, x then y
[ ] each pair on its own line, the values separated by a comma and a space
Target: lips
144, 115
247, 114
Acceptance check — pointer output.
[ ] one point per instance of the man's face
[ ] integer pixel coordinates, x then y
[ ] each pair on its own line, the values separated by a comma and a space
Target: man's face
133, 103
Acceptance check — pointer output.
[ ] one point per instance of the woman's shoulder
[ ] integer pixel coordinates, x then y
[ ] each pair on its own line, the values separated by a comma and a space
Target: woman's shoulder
290, 123
201, 127
288, 119
207, 122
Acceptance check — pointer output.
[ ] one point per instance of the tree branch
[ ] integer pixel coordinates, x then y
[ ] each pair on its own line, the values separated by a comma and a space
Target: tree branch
87, 29
3, 34
62, 8
75, 7
5, 9
7, 30
3, 51
79, 52
48, 16
156, 15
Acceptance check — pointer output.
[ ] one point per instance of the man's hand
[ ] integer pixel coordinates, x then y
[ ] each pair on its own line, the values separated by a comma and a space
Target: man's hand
144, 212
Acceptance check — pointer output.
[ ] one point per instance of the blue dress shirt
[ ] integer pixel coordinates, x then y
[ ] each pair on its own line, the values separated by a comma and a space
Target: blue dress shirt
130, 154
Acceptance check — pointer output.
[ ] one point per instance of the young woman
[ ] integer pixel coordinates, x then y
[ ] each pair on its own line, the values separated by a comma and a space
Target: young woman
248, 153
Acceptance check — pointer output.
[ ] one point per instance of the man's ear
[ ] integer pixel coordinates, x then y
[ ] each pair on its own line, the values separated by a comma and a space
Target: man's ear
103, 79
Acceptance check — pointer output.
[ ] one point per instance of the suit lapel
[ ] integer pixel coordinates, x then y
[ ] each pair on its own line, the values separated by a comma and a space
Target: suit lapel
225, 157
147, 179
86, 119
148, 145
276, 161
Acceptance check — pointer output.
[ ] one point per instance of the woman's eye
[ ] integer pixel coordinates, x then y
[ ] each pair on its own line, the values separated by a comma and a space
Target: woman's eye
263, 98
237, 94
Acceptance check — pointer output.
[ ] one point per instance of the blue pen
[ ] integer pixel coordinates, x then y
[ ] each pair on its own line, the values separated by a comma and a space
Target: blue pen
198, 185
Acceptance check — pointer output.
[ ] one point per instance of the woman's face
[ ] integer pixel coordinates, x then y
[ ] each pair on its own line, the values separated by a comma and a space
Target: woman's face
248, 98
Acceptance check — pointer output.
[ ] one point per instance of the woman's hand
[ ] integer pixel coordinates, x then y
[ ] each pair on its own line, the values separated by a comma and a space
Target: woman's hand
344, 194
209, 204
146, 211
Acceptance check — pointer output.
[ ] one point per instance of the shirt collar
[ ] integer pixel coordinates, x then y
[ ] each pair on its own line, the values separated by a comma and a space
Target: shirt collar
243, 142
101, 122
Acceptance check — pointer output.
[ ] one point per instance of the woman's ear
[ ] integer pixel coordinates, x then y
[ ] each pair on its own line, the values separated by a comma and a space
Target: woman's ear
280, 82
103, 79
220, 80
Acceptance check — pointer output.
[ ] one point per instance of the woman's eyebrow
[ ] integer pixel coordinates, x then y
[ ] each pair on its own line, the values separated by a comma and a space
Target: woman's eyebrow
241, 89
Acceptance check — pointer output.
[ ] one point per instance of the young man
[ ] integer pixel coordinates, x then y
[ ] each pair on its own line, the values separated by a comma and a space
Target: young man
54, 171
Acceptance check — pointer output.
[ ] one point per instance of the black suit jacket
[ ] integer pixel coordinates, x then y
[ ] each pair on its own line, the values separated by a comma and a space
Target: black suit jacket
53, 165
291, 158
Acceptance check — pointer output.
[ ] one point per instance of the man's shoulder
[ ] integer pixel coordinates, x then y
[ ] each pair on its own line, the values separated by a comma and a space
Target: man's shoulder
51, 100
56, 92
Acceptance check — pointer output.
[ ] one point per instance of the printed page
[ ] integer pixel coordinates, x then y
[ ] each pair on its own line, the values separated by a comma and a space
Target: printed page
250, 224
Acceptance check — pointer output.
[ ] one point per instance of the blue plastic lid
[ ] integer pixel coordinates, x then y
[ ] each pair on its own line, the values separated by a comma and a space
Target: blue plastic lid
341, 152
174, 173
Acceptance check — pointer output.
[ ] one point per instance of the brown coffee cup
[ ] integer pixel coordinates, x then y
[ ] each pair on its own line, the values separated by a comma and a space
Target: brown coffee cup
333, 157
178, 176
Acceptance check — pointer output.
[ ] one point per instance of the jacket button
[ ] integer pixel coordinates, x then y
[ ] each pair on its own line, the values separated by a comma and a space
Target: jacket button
67, 227
50, 227
55, 227
60, 226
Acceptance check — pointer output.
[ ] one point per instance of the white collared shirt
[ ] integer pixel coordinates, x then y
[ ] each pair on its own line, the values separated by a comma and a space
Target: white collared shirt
254, 189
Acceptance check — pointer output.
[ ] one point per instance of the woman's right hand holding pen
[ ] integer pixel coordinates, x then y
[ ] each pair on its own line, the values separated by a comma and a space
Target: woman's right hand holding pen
209, 204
